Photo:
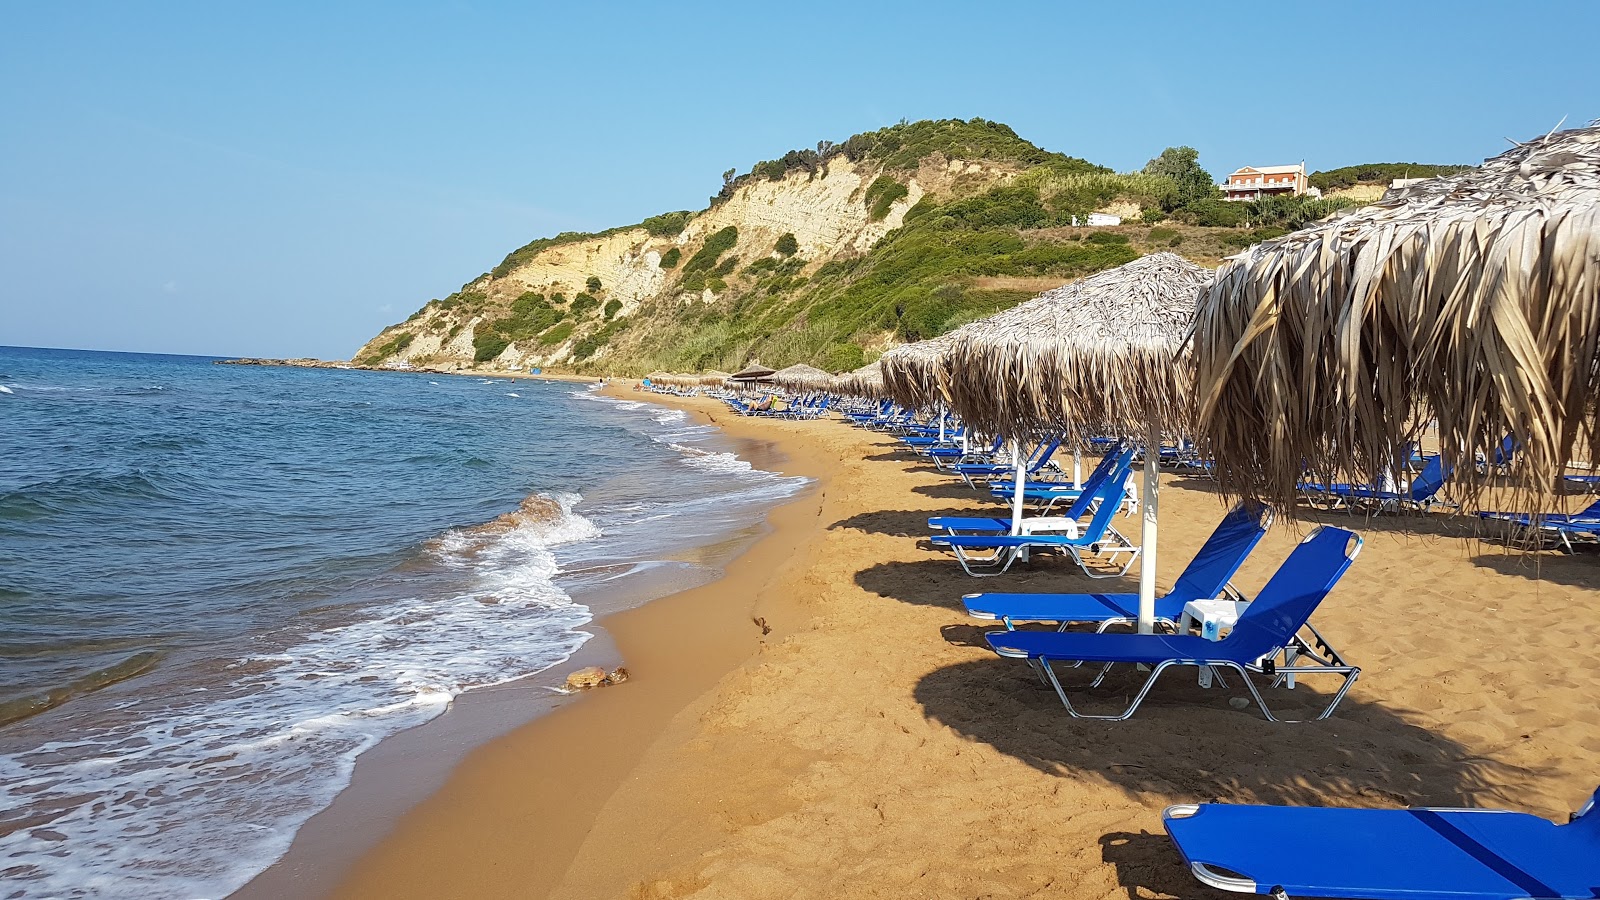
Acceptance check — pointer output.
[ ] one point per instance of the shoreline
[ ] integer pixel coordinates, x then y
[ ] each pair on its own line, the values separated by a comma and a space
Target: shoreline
412, 777
873, 746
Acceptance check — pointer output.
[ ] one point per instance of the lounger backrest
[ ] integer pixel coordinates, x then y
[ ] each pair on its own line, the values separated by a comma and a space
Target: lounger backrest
1223, 553
1110, 495
1287, 601
1042, 454
1430, 480
1104, 483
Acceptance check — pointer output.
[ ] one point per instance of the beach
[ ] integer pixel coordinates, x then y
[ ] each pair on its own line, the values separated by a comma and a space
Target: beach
824, 721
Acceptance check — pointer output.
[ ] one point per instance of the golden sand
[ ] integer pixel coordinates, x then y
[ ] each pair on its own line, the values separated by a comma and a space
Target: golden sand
870, 746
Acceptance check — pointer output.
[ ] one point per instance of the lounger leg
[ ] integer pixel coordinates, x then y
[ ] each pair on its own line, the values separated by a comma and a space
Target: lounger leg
1125, 714
1349, 679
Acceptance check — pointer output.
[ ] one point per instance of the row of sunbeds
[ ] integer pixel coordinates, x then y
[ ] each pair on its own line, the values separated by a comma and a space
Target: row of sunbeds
1425, 854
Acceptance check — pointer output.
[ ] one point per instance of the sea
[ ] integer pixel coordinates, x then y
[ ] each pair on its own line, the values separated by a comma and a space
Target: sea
220, 584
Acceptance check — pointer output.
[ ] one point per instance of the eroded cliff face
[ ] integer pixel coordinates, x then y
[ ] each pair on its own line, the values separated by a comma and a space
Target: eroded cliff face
827, 212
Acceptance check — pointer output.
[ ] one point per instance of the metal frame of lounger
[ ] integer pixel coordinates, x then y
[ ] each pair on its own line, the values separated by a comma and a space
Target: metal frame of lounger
1295, 651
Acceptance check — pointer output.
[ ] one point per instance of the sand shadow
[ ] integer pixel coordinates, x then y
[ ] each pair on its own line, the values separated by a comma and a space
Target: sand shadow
907, 522
955, 489
1187, 744
1572, 570
1146, 862
939, 581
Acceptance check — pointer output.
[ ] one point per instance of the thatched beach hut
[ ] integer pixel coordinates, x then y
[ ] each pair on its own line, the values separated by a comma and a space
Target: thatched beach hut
1099, 355
1472, 299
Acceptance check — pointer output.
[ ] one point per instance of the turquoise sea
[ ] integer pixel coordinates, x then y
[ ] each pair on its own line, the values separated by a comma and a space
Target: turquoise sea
220, 584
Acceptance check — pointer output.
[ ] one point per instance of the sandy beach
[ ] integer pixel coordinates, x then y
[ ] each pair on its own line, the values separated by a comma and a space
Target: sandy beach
825, 722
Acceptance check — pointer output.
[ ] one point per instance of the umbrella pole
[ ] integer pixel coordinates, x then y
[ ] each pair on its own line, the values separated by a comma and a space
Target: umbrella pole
1016, 494
1147, 542
941, 422
1077, 469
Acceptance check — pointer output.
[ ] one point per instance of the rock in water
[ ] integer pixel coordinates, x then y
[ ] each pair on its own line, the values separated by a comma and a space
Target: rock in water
617, 676
587, 677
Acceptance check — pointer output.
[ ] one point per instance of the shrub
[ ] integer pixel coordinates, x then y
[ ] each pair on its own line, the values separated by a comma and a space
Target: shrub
1378, 173
1158, 235
392, 346
558, 298
1212, 213
725, 267
488, 344
715, 245
593, 284
670, 258
556, 334
787, 245
764, 264
667, 224
881, 195
582, 303
1105, 238
612, 306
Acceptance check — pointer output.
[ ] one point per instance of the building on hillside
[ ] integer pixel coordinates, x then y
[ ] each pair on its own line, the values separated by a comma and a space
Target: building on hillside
1255, 182
1098, 220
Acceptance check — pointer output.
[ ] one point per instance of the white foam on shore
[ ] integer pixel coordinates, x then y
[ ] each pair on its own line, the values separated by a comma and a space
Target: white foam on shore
278, 738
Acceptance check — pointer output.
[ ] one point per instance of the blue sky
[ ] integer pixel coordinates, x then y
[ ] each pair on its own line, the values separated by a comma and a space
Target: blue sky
285, 179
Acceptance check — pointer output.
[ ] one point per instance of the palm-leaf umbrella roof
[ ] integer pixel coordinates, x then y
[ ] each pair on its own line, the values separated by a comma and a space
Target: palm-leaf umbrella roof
912, 372
1100, 353
866, 381
1473, 298
801, 377
753, 372
713, 378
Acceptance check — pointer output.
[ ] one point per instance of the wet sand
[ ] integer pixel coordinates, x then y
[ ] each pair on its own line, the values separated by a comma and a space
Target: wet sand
870, 746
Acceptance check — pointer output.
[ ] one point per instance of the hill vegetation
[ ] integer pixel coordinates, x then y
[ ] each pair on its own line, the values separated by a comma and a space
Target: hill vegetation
965, 218
1378, 173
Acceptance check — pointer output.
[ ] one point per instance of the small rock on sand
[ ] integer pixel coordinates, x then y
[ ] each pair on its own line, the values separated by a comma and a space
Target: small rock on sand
1238, 702
594, 676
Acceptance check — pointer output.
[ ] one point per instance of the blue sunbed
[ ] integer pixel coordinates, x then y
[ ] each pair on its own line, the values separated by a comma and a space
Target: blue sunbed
1098, 537
1419, 497
1389, 854
1269, 628
1112, 467
1204, 578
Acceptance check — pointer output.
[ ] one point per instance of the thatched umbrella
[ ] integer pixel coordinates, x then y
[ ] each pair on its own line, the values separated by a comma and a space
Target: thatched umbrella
1473, 299
1100, 354
801, 377
713, 378
912, 372
866, 381
751, 374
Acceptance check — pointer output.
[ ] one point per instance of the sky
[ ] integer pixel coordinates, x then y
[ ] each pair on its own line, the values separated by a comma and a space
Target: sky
285, 179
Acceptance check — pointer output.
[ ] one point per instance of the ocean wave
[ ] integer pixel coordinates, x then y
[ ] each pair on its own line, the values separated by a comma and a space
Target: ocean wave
278, 737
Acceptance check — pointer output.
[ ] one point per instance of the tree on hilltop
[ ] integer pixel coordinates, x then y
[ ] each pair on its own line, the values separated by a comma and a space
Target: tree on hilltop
1182, 165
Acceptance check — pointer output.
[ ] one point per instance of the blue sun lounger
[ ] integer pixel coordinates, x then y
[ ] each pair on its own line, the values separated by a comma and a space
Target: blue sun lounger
1113, 466
1205, 577
1268, 629
1582, 526
1036, 461
1096, 538
1419, 498
1389, 854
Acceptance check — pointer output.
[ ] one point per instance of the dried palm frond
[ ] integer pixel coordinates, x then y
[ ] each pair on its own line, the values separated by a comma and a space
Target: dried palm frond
1097, 355
753, 372
913, 373
1473, 299
801, 377
866, 381
713, 378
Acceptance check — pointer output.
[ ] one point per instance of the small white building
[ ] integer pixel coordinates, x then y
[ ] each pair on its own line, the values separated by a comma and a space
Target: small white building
1102, 219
